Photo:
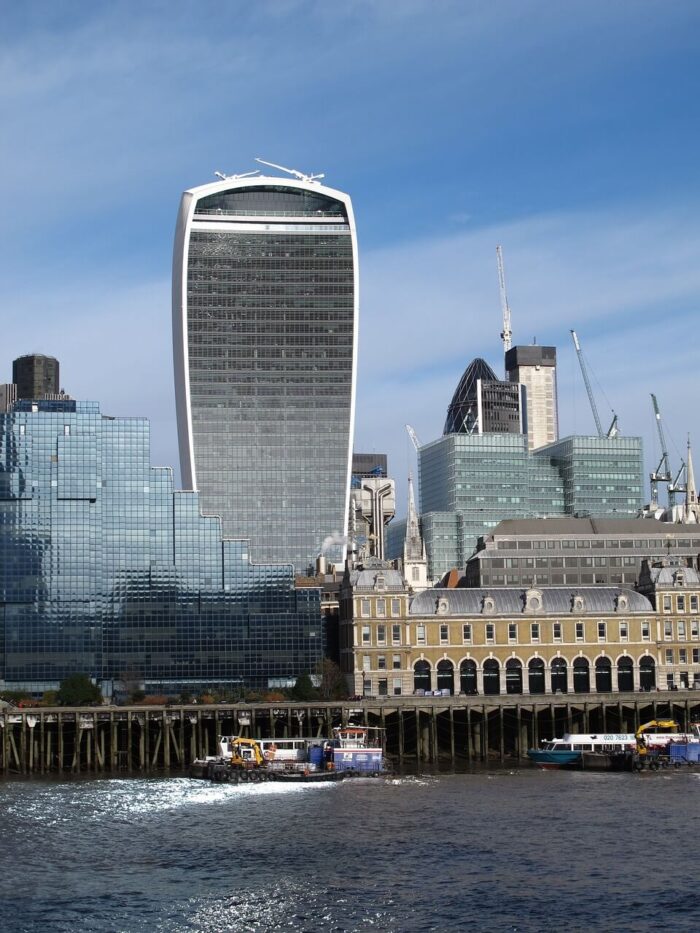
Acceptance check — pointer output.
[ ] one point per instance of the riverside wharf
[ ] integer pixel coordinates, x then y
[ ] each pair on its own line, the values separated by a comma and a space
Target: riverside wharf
447, 731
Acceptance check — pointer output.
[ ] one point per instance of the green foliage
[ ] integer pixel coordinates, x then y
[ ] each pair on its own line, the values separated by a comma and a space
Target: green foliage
78, 690
304, 689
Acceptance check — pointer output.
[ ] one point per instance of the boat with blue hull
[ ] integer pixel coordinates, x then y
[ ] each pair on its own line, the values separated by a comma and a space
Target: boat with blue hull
600, 751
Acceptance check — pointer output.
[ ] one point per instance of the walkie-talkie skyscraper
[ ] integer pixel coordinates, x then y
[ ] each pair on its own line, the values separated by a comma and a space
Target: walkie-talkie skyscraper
265, 308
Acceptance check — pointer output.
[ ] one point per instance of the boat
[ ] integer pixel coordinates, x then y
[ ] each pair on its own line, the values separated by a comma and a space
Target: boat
601, 751
353, 751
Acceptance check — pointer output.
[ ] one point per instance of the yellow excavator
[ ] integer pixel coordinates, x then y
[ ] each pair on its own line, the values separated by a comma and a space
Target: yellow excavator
667, 725
245, 754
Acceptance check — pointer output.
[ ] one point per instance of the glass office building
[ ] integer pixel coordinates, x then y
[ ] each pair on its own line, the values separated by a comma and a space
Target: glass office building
106, 570
470, 483
265, 309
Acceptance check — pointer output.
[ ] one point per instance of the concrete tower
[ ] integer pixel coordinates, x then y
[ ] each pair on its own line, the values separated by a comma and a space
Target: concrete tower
535, 367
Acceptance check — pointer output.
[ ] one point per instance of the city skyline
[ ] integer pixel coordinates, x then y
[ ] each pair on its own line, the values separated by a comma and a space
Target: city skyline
566, 135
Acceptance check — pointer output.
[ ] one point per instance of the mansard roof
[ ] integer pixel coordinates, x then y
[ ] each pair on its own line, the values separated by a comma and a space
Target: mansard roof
553, 600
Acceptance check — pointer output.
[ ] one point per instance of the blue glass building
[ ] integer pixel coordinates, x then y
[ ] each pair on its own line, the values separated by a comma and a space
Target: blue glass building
105, 569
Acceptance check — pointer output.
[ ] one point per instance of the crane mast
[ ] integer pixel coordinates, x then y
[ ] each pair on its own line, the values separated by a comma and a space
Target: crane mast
662, 474
506, 333
587, 383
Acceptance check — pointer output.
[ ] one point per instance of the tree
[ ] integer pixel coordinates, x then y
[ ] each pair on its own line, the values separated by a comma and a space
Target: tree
304, 689
333, 683
78, 690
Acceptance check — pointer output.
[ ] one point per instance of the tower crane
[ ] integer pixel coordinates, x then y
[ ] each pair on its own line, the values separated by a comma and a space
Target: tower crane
506, 333
414, 437
613, 429
662, 474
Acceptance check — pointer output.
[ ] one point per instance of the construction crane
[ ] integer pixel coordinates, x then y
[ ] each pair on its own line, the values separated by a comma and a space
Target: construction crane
662, 474
506, 333
613, 430
414, 437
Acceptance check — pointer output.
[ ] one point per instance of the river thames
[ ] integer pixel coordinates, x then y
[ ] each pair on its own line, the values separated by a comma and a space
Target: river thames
519, 850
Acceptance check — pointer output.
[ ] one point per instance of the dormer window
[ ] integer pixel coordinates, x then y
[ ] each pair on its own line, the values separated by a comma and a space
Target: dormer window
577, 604
442, 607
488, 605
533, 601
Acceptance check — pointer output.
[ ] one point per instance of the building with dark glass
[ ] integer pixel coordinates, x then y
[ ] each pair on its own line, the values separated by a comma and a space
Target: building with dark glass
107, 570
265, 328
36, 376
484, 404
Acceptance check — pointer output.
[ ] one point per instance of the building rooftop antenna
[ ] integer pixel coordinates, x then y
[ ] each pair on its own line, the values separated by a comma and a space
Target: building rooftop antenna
236, 177
291, 171
506, 333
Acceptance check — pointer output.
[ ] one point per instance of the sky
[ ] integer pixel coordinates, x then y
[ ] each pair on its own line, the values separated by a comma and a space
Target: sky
566, 132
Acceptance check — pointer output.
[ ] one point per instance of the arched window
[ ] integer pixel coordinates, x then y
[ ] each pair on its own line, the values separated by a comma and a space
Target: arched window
467, 677
492, 677
514, 676
647, 673
603, 675
582, 676
446, 676
535, 671
421, 676
559, 675
625, 675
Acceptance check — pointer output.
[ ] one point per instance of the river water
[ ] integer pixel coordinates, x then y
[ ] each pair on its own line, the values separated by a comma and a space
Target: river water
520, 850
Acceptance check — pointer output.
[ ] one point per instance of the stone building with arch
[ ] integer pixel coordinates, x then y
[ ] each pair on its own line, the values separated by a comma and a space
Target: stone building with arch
511, 640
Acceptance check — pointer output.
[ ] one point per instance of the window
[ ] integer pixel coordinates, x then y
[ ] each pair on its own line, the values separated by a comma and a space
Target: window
646, 631
601, 631
534, 631
667, 603
396, 635
396, 607
693, 604
694, 628
668, 631
556, 631
364, 608
681, 630
66, 429
512, 632
383, 687
682, 655
669, 655
579, 631
444, 634
366, 661
381, 607
669, 681
680, 602
366, 636
397, 686
696, 655
467, 634
490, 632
381, 663
420, 634
415, 574
396, 662
381, 634
624, 631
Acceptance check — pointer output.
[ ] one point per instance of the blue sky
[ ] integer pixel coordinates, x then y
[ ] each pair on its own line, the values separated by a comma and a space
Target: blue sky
568, 132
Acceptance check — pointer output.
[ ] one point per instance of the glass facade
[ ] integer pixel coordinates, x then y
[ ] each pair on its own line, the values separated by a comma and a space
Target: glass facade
471, 482
265, 311
106, 570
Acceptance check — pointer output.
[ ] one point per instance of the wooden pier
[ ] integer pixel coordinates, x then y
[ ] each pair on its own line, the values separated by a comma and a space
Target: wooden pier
452, 731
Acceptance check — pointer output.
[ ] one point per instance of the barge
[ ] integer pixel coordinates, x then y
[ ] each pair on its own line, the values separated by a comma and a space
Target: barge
353, 751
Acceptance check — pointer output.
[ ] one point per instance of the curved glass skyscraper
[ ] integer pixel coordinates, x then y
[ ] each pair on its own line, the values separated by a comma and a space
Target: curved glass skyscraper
265, 309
